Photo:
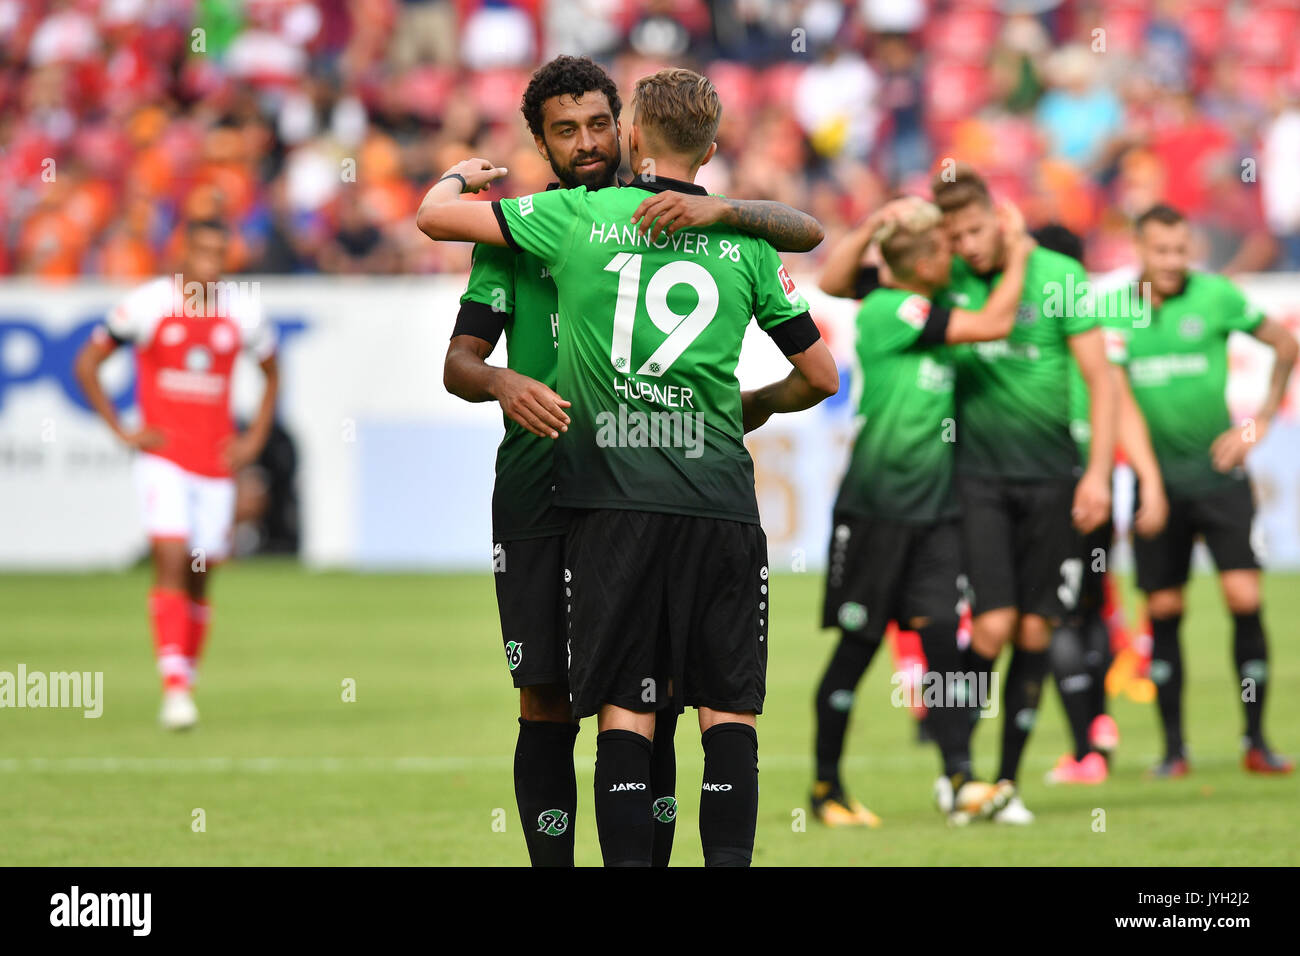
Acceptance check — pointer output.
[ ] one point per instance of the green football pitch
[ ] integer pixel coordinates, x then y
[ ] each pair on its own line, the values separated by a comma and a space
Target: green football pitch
417, 768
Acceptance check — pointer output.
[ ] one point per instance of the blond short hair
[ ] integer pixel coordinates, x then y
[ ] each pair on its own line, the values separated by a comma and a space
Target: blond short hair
909, 236
679, 109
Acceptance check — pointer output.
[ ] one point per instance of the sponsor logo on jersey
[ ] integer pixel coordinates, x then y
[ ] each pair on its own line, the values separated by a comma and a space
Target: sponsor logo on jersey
514, 653
553, 822
914, 310
222, 338
664, 809
526, 205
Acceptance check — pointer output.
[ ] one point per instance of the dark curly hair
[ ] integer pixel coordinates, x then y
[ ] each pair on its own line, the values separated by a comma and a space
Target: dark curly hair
567, 75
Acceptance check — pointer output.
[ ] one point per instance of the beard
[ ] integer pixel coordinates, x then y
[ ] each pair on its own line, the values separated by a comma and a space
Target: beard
593, 177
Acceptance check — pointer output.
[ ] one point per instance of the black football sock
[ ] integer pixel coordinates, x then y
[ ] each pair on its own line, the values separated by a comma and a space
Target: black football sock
835, 701
977, 671
948, 717
1250, 649
546, 790
729, 794
1074, 682
1096, 647
663, 781
1167, 675
1025, 677
623, 798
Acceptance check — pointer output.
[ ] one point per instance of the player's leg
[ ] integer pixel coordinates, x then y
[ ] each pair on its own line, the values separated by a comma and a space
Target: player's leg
1074, 662
663, 780
722, 607
1226, 522
1024, 687
168, 520
930, 602
988, 556
529, 579
617, 665
865, 564
213, 501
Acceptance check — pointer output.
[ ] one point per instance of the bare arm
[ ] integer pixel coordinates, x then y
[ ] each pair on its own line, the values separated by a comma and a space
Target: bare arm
1135, 440
1229, 449
844, 264
998, 317
785, 228
1092, 495
813, 379
442, 216
86, 367
244, 449
467, 375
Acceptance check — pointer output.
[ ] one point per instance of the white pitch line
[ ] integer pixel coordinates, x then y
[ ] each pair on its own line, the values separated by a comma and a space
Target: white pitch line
426, 765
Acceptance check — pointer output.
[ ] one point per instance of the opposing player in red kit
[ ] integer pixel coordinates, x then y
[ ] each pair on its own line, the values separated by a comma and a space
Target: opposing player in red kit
186, 330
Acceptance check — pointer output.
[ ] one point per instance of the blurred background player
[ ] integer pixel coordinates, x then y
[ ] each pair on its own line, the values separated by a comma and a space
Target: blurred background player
1177, 360
186, 331
572, 107
895, 550
1023, 499
1081, 645
698, 569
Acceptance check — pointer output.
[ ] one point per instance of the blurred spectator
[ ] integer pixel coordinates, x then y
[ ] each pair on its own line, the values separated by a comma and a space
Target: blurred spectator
313, 126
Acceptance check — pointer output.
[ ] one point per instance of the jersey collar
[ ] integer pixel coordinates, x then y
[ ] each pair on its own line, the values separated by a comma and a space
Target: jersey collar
660, 184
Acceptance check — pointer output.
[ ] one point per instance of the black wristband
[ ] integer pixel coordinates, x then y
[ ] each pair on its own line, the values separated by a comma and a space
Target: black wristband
463, 185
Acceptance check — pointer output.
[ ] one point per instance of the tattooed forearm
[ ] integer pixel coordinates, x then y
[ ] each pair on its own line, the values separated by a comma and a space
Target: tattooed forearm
788, 230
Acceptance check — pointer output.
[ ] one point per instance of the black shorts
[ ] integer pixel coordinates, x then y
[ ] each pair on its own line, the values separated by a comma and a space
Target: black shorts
1020, 547
1222, 518
529, 576
666, 611
881, 570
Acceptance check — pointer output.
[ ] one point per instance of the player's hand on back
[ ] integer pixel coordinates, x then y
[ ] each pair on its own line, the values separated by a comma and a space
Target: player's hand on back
144, 439
478, 173
672, 211
1152, 513
1230, 449
1091, 501
529, 403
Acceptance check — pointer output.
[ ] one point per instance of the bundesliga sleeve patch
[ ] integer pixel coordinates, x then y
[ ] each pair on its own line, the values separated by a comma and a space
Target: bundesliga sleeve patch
525, 205
787, 285
1116, 350
914, 311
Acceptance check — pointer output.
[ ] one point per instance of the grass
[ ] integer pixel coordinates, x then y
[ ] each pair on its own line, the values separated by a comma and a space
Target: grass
418, 769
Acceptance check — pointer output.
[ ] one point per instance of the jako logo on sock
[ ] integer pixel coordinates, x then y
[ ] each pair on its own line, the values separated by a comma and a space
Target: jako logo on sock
716, 787
626, 786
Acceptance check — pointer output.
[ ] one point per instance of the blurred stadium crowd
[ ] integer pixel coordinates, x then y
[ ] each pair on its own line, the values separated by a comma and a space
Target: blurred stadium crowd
314, 127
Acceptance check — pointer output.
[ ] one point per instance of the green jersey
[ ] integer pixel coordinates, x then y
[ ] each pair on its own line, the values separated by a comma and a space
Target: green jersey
514, 293
902, 460
1177, 360
649, 338
1013, 394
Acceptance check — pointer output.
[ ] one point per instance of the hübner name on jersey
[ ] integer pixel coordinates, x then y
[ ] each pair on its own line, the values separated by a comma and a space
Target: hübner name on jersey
628, 234
674, 396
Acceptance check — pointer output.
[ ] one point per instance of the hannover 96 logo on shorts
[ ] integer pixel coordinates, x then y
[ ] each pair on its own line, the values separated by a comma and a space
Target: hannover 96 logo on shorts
514, 653
552, 822
665, 809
